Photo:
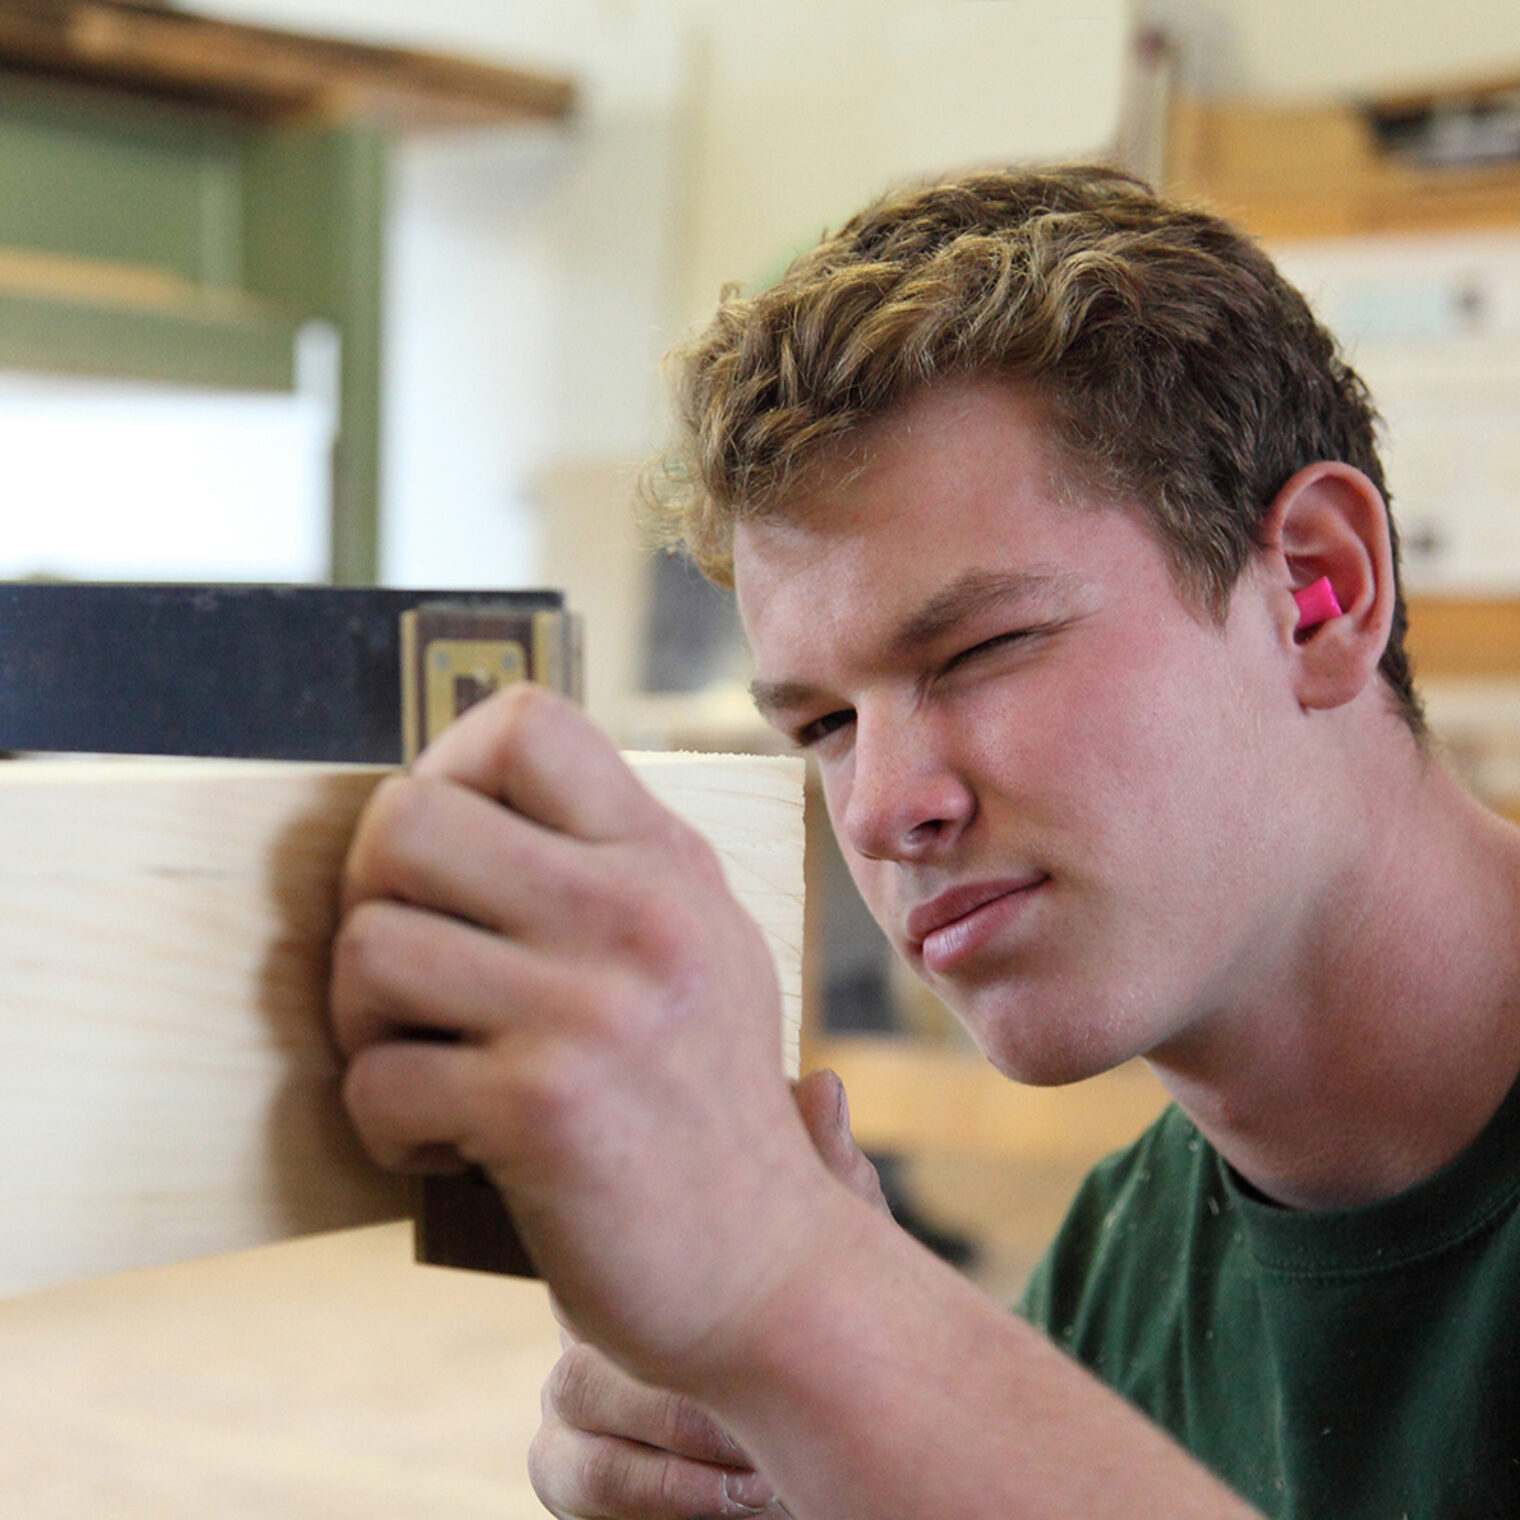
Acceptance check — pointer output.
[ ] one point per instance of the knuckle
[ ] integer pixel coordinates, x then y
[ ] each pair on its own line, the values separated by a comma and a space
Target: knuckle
368, 1092
393, 836
518, 715
359, 949
687, 1427
545, 1467
405, 830
865, 1182
607, 1474
660, 928
367, 1097
571, 1389
549, 1094
692, 853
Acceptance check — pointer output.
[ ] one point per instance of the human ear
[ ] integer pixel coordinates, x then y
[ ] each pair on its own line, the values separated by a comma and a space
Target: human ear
1330, 521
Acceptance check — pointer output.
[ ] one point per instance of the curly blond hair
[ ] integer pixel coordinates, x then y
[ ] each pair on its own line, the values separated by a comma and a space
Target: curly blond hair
1179, 369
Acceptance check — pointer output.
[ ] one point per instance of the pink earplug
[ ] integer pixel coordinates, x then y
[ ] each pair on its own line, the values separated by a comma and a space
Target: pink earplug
1316, 604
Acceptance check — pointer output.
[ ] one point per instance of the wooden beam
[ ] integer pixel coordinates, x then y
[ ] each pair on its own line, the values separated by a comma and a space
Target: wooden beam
167, 1090
261, 72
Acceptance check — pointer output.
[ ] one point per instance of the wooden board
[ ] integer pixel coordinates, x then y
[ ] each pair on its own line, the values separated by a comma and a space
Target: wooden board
319, 1379
263, 72
166, 1086
908, 1098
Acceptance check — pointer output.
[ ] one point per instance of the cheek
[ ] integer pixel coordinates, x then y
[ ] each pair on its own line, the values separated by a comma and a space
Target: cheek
1180, 783
1143, 756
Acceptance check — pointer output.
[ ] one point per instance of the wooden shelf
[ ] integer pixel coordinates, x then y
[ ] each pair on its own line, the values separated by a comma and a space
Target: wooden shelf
173, 346
61, 315
1288, 171
265, 74
1465, 637
179, 195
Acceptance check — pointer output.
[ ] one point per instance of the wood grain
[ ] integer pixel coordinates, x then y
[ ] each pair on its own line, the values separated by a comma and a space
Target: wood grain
167, 1090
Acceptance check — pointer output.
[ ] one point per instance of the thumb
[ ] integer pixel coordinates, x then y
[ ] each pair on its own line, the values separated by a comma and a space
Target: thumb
825, 1113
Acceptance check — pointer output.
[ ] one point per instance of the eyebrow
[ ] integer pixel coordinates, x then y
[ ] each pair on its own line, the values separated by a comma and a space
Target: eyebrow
965, 597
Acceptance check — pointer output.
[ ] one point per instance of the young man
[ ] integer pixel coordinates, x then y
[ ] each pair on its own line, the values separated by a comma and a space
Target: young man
1059, 536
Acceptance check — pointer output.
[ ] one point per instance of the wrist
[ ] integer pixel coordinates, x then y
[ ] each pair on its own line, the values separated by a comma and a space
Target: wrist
821, 1258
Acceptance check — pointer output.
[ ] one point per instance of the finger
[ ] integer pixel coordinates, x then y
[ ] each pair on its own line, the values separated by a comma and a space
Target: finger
437, 845
825, 1112
590, 1393
541, 755
598, 1477
508, 1096
402, 972
441, 845
407, 1101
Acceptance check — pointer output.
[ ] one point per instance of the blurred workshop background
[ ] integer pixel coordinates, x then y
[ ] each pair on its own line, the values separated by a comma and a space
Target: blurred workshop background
369, 291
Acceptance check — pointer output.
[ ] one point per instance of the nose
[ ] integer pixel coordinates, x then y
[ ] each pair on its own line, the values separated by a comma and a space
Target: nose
902, 798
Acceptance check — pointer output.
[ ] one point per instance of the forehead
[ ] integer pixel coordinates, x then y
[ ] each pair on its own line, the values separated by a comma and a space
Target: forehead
958, 481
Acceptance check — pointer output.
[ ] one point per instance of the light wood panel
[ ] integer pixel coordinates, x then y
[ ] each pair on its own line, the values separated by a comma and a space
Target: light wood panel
321, 1379
918, 1100
166, 1086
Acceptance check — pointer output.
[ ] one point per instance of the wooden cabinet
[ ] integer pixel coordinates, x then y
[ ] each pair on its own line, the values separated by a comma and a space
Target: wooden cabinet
1289, 170
180, 197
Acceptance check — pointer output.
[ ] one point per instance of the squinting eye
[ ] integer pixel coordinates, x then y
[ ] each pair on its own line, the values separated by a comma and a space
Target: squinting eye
988, 646
820, 728
1003, 643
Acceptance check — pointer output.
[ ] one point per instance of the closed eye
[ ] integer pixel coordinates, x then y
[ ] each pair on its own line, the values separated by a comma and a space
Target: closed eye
991, 646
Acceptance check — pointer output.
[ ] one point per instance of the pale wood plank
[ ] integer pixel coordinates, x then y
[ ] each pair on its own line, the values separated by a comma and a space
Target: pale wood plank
913, 1099
320, 1379
166, 1086
1289, 171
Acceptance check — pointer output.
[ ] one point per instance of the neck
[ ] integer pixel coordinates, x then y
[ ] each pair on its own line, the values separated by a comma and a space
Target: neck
1393, 1032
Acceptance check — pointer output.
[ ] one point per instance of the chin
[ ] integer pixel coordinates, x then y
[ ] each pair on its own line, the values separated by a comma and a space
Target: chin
1049, 1068
1053, 1051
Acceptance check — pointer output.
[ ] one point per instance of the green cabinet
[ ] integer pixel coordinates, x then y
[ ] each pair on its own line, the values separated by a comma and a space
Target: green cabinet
181, 196
149, 240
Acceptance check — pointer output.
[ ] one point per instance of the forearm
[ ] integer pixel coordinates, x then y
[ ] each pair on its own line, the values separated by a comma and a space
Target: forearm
886, 1385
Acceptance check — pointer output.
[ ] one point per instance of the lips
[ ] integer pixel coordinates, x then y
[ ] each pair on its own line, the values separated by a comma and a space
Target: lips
939, 912
957, 921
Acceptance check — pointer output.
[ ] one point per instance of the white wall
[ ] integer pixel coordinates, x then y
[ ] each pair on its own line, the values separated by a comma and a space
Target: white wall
803, 110
1295, 48
144, 483
537, 277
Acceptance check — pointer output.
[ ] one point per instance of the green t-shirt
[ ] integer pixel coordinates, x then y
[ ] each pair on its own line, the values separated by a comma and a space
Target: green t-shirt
1358, 1364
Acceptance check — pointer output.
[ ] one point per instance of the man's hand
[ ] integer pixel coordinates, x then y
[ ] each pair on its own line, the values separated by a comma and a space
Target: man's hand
613, 1448
540, 970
